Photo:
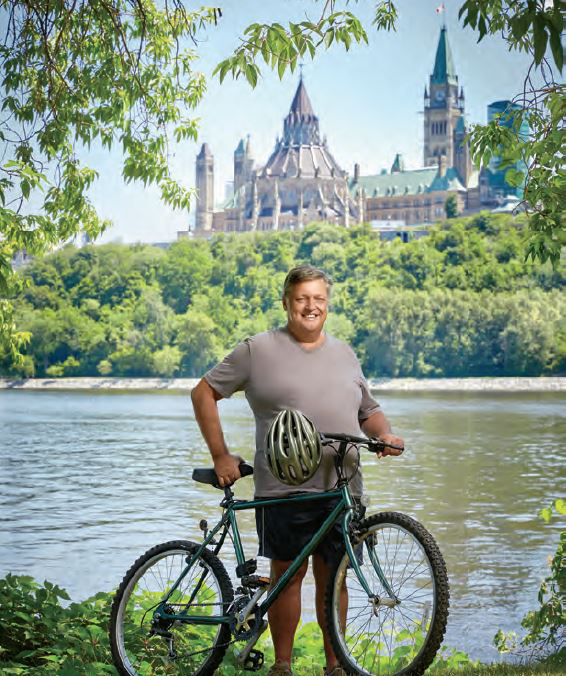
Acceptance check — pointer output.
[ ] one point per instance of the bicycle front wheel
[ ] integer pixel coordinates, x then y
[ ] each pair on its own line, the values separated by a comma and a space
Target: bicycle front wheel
176, 647
382, 636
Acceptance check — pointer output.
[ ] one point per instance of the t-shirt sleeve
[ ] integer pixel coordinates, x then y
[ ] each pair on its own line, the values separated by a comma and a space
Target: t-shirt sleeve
232, 373
368, 405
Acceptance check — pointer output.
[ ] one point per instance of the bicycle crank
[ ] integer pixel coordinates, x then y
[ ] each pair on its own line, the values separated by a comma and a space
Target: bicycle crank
250, 659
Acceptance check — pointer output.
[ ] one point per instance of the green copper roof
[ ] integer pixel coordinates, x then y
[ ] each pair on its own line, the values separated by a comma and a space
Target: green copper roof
450, 181
444, 70
410, 182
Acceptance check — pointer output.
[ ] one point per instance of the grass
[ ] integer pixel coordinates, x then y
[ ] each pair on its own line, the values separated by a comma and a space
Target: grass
504, 669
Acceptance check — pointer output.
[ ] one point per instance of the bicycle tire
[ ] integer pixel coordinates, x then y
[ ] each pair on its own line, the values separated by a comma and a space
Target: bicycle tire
199, 648
383, 641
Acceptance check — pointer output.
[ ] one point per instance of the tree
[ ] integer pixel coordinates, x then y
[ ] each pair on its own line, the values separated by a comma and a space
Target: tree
451, 206
533, 132
82, 72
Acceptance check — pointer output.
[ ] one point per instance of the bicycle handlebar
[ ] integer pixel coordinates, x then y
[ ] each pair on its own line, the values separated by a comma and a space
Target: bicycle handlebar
373, 444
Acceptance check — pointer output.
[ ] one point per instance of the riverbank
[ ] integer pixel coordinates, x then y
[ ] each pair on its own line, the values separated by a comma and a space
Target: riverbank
550, 384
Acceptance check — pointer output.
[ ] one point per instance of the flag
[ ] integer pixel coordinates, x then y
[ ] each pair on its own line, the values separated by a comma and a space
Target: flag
440, 8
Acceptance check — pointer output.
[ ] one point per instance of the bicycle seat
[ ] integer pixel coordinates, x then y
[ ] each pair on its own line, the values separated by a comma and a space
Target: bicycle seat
208, 476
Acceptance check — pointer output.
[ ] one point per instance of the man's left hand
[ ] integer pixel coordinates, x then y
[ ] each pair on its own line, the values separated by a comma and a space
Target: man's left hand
395, 441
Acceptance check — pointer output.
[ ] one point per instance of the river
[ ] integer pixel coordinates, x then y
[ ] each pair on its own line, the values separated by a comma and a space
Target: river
90, 480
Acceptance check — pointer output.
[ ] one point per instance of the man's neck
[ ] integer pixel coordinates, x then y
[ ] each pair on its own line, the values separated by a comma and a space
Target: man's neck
307, 340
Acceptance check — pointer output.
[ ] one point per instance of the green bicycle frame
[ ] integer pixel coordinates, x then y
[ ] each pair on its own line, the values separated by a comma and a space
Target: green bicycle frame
345, 507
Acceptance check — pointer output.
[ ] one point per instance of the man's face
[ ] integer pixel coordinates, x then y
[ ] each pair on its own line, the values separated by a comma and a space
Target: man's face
307, 306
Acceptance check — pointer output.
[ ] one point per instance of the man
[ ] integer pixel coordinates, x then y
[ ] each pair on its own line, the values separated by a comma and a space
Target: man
303, 368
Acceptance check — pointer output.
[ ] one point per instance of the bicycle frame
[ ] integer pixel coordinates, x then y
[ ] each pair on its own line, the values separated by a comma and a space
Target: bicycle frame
344, 509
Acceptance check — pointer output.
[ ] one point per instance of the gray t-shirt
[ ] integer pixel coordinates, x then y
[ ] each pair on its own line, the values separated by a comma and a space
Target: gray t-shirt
326, 384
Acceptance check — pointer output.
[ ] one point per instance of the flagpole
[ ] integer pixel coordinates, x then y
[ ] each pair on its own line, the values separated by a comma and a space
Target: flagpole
441, 11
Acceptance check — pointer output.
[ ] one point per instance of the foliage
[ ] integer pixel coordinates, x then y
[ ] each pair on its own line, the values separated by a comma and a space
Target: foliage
451, 206
459, 302
42, 637
546, 626
536, 28
76, 74
102, 73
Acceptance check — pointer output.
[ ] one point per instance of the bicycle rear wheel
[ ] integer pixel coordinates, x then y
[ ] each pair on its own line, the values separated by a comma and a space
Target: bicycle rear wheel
181, 649
372, 639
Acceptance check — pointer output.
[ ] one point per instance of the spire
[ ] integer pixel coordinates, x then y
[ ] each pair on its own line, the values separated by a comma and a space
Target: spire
444, 71
240, 150
301, 124
301, 105
398, 164
204, 151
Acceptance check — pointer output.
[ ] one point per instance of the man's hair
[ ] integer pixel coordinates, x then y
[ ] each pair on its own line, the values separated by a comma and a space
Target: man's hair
304, 273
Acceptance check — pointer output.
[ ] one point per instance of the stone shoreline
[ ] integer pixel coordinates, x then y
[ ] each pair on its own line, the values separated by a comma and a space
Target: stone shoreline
551, 384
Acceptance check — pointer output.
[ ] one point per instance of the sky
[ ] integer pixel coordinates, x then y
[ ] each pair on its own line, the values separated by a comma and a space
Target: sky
369, 102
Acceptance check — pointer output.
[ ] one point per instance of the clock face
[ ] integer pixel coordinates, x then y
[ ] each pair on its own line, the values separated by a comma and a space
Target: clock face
439, 96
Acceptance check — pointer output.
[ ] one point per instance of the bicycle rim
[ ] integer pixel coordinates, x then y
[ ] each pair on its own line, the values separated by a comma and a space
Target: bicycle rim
192, 648
377, 640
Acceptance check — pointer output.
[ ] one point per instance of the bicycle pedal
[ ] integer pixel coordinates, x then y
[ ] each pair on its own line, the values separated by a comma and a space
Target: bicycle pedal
255, 581
254, 661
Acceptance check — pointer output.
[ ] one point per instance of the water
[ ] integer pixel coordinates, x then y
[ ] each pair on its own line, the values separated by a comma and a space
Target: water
90, 480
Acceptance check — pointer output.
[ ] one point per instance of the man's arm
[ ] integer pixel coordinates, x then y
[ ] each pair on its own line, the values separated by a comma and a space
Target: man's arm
226, 465
378, 426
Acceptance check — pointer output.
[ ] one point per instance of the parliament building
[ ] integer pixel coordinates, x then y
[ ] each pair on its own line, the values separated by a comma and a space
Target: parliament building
301, 181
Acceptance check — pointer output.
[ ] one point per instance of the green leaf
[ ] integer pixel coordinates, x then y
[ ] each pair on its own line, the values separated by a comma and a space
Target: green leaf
556, 47
282, 64
545, 514
540, 39
560, 506
514, 177
251, 74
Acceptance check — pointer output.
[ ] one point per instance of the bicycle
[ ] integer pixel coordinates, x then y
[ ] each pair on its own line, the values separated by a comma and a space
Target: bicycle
176, 611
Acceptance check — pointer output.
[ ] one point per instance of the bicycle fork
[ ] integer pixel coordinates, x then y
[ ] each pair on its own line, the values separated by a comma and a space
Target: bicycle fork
392, 599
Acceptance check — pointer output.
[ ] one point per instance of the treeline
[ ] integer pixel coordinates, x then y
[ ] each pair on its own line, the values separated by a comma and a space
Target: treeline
460, 302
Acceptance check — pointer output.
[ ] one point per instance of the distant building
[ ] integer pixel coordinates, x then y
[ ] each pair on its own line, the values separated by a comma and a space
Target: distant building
301, 181
417, 196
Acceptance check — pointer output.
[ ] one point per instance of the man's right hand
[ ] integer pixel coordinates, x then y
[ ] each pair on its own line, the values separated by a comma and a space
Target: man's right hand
227, 468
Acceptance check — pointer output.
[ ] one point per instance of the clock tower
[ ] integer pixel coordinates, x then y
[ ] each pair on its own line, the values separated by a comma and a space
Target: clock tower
443, 107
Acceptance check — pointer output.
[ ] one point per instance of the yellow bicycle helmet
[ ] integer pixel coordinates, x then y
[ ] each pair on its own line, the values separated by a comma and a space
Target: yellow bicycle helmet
293, 448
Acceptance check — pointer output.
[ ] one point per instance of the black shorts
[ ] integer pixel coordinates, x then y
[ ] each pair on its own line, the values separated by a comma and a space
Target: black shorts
283, 530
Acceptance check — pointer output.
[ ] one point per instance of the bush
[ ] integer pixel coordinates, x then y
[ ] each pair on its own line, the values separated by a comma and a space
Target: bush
39, 636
